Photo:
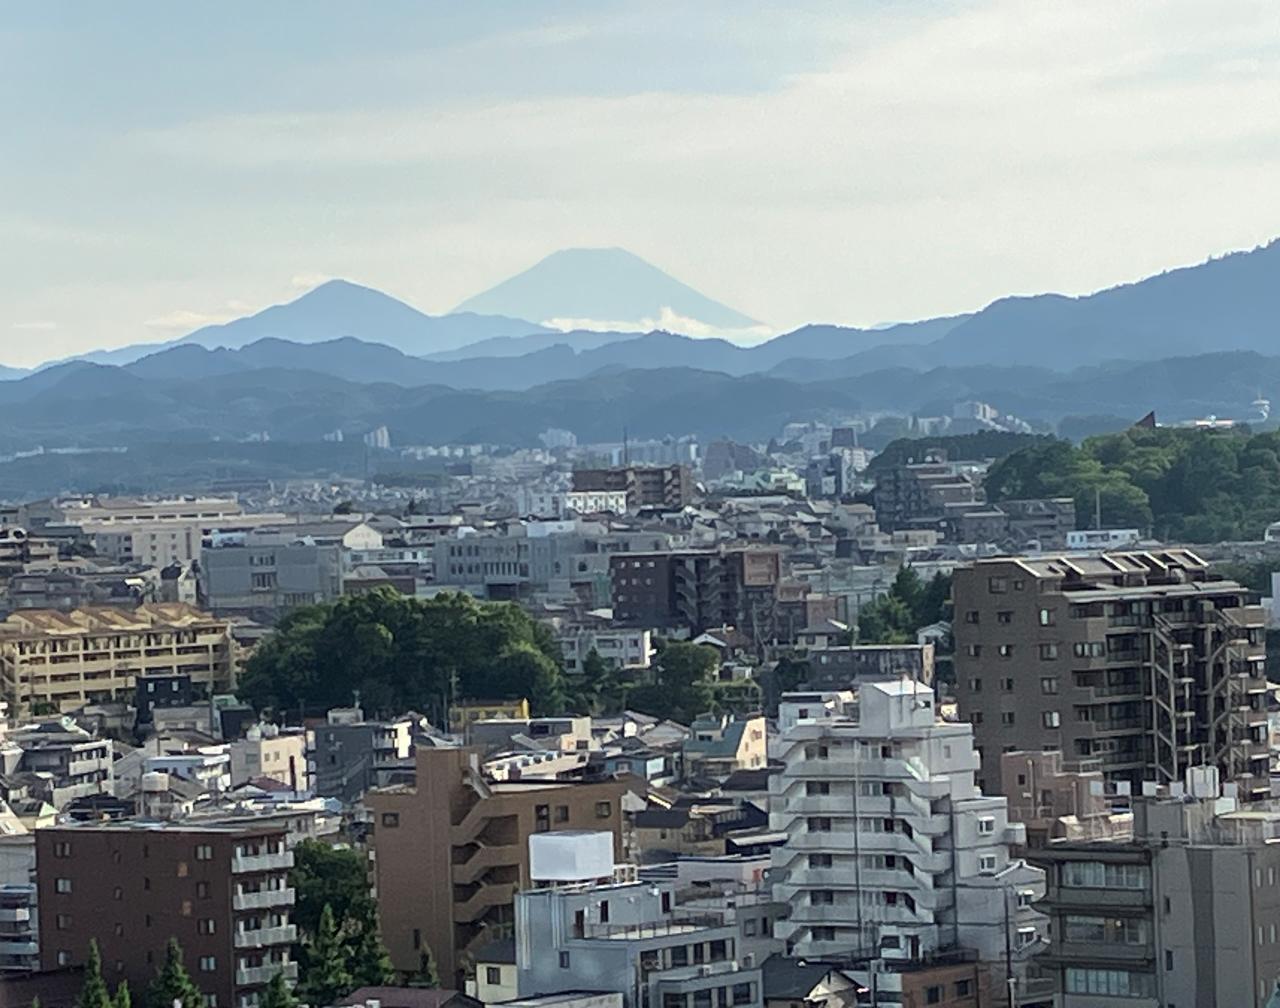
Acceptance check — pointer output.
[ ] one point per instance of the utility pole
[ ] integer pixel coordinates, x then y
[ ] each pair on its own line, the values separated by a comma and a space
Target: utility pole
1009, 980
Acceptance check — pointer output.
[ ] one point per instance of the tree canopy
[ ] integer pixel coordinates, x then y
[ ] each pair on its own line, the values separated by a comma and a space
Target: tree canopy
1183, 484
339, 947
404, 653
173, 986
682, 685
910, 604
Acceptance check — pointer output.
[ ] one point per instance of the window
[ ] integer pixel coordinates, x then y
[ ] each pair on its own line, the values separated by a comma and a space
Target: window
986, 825
117, 893
604, 911
62, 885
1049, 686
1115, 983
1089, 649
64, 957
1006, 684
964, 988
975, 650
204, 852
1006, 717
1049, 652
1096, 875
975, 717
933, 995
818, 824
1019, 584
819, 860
391, 819
62, 849
562, 813
1105, 930
202, 890
1004, 616
742, 994
817, 787
987, 863
1050, 719
1005, 651
564, 960
997, 585
823, 933
821, 897
208, 964
493, 974
207, 925
211, 1001
975, 685
1046, 617
604, 809
971, 616
63, 921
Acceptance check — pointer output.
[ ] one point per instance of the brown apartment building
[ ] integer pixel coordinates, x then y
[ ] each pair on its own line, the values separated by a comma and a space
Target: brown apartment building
451, 851
668, 488
698, 589
1143, 663
221, 890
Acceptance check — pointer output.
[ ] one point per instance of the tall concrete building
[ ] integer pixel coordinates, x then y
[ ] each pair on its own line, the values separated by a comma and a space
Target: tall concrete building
891, 850
1146, 662
451, 851
221, 890
63, 660
266, 580
1186, 913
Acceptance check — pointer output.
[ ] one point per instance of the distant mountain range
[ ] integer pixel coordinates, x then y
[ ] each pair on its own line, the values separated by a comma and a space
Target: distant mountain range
345, 357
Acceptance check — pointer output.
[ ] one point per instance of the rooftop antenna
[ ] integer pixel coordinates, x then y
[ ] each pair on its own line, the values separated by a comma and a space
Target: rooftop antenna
626, 449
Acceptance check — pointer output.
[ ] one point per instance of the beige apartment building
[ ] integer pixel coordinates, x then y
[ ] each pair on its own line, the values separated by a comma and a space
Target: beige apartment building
58, 661
453, 850
1144, 663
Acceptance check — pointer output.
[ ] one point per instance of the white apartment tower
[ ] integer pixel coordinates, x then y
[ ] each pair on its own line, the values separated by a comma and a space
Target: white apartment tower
892, 852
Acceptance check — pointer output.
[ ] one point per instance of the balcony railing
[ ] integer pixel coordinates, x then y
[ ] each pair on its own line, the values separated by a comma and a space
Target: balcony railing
279, 861
285, 934
251, 976
263, 899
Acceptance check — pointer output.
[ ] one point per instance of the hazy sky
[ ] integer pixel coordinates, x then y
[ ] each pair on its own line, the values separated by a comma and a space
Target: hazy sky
163, 165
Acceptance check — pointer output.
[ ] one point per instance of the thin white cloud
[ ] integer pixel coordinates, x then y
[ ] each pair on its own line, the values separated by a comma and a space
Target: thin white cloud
667, 321
38, 326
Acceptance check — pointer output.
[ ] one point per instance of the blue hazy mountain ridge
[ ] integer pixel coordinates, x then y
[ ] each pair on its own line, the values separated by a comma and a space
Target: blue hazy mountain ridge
604, 285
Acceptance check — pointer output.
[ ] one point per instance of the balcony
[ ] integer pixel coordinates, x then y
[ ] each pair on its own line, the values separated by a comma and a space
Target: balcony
255, 976
15, 915
285, 934
14, 945
244, 863
264, 899
82, 767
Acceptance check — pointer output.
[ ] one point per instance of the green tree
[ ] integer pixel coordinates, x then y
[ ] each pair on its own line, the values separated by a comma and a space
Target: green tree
94, 993
683, 682
123, 998
403, 653
277, 994
369, 962
427, 975
323, 974
327, 876
786, 674
172, 983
